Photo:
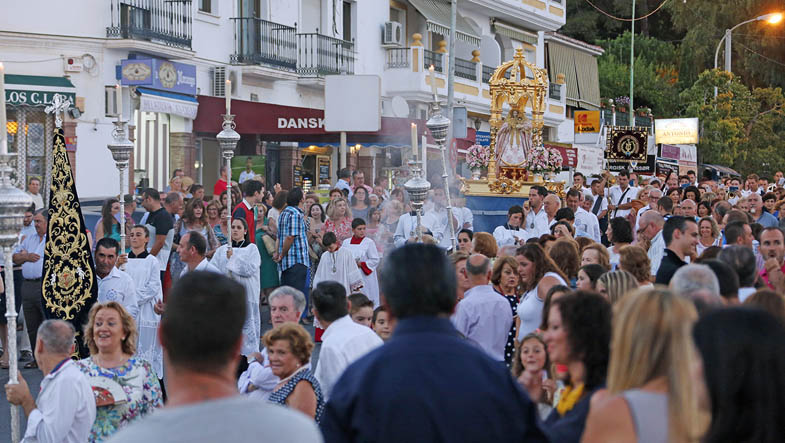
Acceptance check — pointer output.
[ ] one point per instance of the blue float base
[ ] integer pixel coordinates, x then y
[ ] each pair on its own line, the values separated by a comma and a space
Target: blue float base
491, 211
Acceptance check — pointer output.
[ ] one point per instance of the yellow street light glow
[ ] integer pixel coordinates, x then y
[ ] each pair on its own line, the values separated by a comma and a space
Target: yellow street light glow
772, 18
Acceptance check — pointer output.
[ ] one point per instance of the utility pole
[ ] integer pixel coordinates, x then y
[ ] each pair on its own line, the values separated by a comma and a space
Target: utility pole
451, 74
632, 65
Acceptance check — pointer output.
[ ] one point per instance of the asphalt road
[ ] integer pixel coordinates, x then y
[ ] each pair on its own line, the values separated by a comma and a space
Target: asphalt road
34, 377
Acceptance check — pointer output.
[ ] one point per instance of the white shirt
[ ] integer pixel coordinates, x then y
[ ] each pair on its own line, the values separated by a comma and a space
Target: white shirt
120, 287
588, 223
36, 245
656, 252
505, 236
465, 218
744, 293
37, 200
203, 265
537, 224
246, 176
343, 342
407, 225
484, 318
65, 408
260, 375
616, 200
530, 307
603, 204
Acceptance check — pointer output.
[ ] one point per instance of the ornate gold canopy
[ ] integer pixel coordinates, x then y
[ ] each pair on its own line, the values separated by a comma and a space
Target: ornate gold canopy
518, 91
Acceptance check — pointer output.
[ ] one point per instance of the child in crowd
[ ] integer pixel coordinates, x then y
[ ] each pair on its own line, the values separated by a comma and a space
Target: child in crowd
531, 366
381, 323
360, 309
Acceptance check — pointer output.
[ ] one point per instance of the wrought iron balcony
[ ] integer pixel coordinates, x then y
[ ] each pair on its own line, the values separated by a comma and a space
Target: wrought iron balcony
168, 22
398, 58
465, 69
487, 73
258, 41
319, 55
435, 59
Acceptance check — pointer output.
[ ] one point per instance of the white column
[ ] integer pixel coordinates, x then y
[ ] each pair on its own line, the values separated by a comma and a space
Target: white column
541, 50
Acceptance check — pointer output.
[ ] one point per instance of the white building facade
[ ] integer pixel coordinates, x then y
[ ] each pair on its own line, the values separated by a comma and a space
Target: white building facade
173, 57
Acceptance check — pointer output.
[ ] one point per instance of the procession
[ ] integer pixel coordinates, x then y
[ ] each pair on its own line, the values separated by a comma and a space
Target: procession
414, 220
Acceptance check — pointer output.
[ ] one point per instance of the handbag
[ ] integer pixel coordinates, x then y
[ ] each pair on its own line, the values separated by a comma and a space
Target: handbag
269, 244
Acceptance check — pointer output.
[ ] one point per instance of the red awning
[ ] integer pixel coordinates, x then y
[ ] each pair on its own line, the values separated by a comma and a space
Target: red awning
290, 123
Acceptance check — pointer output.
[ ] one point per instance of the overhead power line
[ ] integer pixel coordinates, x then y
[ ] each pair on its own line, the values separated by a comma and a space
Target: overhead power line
622, 19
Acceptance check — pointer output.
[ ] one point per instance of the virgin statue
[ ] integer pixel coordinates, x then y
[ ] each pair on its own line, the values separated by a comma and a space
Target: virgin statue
513, 141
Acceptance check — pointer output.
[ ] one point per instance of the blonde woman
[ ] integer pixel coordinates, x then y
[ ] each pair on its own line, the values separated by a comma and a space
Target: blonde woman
708, 235
339, 219
652, 353
614, 285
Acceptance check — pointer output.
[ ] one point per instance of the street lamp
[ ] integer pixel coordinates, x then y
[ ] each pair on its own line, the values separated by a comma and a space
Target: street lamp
121, 149
772, 19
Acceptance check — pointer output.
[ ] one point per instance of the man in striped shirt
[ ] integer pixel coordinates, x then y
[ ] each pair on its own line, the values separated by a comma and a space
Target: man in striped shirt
292, 257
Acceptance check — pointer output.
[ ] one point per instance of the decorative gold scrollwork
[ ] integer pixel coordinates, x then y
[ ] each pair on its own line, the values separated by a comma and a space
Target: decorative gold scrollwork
505, 186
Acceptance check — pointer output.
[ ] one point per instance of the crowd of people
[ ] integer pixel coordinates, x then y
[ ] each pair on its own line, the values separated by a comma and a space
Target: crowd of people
629, 307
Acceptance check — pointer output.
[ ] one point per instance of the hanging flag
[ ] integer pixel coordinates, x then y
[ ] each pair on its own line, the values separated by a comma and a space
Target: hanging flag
69, 282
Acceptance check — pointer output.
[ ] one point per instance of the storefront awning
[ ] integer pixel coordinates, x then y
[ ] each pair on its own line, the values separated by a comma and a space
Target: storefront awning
37, 90
581, 74
167, 102
437, 19
514, 32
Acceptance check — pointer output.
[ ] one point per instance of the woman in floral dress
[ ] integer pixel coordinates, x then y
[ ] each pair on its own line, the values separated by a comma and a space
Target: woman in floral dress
339, 219
125, 387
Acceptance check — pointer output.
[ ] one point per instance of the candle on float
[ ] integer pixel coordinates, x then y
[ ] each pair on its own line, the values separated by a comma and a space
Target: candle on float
118, 97
414, 140
3, 126
432, 73
228, 95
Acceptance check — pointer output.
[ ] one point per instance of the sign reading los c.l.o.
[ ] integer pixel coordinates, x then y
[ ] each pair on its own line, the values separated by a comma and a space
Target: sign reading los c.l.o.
34, 98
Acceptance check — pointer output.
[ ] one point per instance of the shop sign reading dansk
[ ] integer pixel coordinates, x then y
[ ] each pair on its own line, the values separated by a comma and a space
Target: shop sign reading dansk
300, 123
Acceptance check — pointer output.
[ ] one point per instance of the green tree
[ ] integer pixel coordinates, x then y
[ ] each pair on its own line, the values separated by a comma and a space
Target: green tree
741, 128
655, 72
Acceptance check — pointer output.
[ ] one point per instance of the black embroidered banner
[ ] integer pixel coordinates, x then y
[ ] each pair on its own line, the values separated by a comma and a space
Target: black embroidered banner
69, 283
626, 143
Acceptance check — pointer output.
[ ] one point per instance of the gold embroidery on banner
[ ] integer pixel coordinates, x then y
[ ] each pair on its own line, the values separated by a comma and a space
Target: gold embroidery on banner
68, 278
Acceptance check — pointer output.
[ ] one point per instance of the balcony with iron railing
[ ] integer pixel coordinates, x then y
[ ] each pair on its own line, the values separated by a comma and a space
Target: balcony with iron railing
166, 22
433, 58
258, 41
465, 69
319, 55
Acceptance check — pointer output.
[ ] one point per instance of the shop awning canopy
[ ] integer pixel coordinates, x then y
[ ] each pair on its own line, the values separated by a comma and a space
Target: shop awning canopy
437, 19
723, 170
514, 32
37, 90
580, 72
153, 100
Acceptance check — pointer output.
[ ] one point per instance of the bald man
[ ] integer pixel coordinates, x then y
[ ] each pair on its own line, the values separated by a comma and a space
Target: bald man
483, 316
689, 208
551, 203
651, 223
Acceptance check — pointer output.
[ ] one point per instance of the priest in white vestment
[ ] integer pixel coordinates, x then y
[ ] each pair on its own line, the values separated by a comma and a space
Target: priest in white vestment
367, 258
144, 269
511, 232
242, 261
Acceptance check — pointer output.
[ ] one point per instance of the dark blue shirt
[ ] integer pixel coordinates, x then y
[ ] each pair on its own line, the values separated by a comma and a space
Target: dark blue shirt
569, 428
428, 384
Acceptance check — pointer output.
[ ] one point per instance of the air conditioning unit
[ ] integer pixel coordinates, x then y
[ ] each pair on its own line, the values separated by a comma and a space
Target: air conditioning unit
219, 81
393, 34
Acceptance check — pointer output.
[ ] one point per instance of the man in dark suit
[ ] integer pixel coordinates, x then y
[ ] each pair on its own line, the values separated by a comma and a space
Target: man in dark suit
426, 383
681, 237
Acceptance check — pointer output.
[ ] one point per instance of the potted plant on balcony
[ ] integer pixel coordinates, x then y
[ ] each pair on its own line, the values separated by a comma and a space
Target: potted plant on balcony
477, 158
621, 103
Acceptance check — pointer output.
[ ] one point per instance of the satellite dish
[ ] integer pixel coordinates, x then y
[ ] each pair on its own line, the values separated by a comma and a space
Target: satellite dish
400, 107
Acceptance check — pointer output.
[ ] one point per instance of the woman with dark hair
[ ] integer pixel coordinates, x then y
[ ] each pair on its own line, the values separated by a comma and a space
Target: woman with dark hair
562, 229
538, 274
704, 209
768, 300
360, 203
739, 374
241, 260
465, 237
108, 225
546, 241
692, 193
675, 195
578, 336
588, 275
619, 233
505, 280
279, 203
266, 244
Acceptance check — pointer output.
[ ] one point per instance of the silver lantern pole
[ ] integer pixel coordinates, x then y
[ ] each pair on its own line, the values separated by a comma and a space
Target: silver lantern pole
438, 124
228, 139
417, 187
13, 203
121, 149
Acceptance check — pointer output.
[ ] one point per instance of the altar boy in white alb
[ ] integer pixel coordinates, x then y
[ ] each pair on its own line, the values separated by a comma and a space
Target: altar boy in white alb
367, 258
511, 232
337, 264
